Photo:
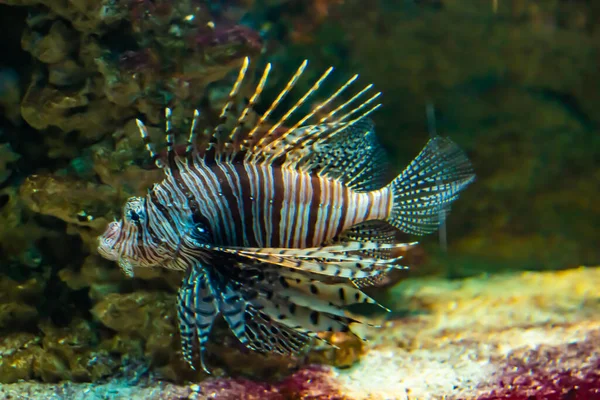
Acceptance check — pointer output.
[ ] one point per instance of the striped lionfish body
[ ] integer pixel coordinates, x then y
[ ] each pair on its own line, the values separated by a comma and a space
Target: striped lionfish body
278, 230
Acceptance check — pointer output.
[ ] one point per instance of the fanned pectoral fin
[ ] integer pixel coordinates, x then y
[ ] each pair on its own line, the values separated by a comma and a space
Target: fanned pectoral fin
197, 310
187, 318
304, 319
233, 308
284, 308
266, 335
254, 328
332, 294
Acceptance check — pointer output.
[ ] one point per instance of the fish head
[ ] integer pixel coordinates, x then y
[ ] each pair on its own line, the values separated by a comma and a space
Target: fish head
130, 242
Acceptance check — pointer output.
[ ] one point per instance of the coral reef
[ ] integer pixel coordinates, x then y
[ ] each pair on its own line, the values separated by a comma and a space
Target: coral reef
58, 354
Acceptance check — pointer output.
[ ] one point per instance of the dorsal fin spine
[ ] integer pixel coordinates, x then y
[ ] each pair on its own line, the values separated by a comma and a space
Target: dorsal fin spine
359, 108
169, 131
249, 107
266, 146
346, 104
279, 146
170, 139
282, 138
345, 125
203, 142
291, 83
189, 149
301, 101
149, 146
217, 132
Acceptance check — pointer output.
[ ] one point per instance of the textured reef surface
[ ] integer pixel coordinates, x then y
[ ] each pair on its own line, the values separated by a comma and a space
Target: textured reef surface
516, 83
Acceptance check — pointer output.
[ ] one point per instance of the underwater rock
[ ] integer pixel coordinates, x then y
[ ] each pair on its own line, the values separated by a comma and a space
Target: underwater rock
55, 47
219, 49
76, 202
100, 276
18, 304
18, 351
347, 351
85, 206
136, 313
72, 108
66, 73
7, 156
74, 357
117, 168
15, 315
91, 84
85, 17
27, 291
18, 232
149, 316
58, 354
10, 98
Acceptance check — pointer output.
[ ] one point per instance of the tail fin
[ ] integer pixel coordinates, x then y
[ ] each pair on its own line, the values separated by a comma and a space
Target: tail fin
423, 192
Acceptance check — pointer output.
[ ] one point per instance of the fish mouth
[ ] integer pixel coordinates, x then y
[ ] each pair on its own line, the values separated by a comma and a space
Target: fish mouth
108, 240
107, 248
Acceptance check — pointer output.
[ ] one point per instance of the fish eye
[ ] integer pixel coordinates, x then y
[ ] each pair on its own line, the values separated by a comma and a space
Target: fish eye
134, 216
134, 210
199, 232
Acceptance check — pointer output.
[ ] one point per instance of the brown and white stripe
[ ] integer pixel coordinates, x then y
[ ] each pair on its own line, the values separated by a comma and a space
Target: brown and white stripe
269, 206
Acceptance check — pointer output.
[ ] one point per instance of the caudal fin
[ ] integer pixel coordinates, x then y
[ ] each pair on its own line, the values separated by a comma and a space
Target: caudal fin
424, 191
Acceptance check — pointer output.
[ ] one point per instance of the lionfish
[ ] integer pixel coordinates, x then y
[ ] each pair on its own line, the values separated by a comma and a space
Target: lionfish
279, 229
